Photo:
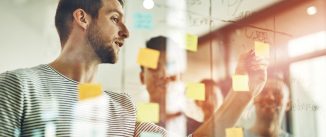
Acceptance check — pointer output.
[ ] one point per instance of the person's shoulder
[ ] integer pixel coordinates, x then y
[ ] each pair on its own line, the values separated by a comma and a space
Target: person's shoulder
12, 76
10, 79
120, 97
121, 100
17, 77
147, 127
23, 71
13, 82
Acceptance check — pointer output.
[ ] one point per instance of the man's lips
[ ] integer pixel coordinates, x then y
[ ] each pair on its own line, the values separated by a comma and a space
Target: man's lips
119, 43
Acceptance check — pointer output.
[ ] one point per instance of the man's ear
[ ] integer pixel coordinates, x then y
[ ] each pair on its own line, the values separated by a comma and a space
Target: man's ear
142, 77
81, 18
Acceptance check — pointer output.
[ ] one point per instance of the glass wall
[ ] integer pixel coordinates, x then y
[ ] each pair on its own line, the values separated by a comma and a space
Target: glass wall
179, 64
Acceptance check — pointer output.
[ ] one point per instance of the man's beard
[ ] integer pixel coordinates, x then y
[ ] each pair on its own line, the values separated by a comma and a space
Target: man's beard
105, 52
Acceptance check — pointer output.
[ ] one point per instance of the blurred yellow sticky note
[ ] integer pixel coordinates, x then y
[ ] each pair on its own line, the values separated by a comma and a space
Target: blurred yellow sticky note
196, 91
89, 91
262, 49
234, 132
148, 58
240, 83
191, 42
150, 134
148, 112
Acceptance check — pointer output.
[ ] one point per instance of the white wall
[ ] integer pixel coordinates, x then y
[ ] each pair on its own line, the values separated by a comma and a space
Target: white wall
24, 41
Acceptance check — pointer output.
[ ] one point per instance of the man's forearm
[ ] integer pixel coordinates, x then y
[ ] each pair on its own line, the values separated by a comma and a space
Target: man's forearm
226, 116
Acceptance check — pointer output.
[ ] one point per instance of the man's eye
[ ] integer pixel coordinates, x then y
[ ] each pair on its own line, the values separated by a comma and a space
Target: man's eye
115, 19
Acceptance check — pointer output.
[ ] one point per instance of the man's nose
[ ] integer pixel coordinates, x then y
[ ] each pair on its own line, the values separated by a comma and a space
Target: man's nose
270, 98
124, 32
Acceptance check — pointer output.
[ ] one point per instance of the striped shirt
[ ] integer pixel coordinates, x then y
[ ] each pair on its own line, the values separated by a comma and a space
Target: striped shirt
40, 101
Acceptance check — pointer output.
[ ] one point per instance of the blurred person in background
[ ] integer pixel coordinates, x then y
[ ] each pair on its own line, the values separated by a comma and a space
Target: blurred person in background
157, 82
270, 107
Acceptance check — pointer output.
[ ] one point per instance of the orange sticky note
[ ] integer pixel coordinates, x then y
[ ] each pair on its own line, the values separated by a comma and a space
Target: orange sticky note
89, 91
240, 83
148, 58
262, 49
234, 132
191, 42
196, 91
148, 112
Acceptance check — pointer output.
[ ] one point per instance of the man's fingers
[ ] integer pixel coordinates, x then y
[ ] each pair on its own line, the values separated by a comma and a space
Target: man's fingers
257, 64
250, 62
258, 60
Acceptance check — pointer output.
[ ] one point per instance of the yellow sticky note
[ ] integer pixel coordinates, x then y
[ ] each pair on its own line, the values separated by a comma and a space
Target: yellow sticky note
148, 112
89, 91
240, 83
196, 91
148, 58
191, 42
262, 49
234, 132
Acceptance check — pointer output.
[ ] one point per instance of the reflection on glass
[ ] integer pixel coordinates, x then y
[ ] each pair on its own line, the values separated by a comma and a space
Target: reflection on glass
308, 85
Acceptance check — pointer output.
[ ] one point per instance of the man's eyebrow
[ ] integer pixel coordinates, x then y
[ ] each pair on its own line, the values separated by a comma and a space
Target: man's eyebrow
114, 10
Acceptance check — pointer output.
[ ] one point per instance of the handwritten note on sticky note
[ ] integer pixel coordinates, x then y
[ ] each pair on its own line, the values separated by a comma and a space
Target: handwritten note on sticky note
191, 42
234, 132
262, 49
148, 112
142, 20
89, 91
240, 83
150, 134
148, 58
196, 91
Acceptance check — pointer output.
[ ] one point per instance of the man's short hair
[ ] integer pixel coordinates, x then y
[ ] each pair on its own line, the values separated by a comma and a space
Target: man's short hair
64, 18
157, 43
